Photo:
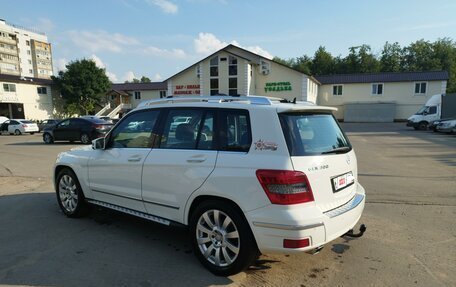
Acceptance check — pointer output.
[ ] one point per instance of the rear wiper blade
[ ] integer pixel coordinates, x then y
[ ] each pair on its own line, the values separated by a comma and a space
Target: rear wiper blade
338, 150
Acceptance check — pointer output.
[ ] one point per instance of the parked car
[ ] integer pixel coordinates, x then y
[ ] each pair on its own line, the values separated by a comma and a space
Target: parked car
19, 126
448, 126
48, 123
76, 129
266, 176
3, 119
177, 121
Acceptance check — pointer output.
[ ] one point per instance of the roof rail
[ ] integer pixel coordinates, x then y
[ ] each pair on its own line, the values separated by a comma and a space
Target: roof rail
255, 100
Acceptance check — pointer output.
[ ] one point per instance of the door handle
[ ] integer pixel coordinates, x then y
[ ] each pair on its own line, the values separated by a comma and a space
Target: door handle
134, 159
196, 159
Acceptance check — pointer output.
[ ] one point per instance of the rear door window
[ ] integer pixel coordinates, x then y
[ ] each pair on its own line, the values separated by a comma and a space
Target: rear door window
235, 134
181, 129
313, 134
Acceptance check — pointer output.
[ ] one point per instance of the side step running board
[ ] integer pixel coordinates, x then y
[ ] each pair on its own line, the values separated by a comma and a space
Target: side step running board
131, 212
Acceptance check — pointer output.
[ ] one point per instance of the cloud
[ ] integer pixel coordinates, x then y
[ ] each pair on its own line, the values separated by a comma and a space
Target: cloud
158, 52
100, 40
157, 77
208, 43
129, 76
112, 77
44, 25
98, 61
60, 64
166, 6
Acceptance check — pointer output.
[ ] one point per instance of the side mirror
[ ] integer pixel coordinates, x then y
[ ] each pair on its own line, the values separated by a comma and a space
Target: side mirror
98, 143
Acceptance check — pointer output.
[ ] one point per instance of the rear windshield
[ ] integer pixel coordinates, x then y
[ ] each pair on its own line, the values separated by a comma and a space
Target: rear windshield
311, 134
27, 122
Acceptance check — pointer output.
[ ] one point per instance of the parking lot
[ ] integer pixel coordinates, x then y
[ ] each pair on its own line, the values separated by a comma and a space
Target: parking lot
410, 181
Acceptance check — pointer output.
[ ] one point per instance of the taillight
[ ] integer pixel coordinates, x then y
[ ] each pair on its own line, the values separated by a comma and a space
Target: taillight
285, 186
24, 125
98, 127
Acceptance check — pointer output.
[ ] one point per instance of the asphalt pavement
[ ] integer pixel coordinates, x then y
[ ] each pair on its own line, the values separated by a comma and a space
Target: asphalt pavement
410, 181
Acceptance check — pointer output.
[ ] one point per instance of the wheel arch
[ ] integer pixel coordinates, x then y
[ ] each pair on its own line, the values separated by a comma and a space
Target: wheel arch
59, 167
201, 198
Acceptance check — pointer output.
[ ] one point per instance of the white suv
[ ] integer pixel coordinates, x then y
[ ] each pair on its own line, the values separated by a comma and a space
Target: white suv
245, 174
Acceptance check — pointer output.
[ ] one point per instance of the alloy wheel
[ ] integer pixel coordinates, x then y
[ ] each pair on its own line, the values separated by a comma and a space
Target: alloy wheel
68, 193
218, 238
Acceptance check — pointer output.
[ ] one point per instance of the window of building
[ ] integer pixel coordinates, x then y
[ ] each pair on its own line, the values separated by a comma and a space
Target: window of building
30, 62
337, 90
232, 66
113, 97
42, 90
420, 88
137, 95
214, 87
30, 71
27, 42
377, 89
28, 52
232, 86
214, 67
9, 87
162, 94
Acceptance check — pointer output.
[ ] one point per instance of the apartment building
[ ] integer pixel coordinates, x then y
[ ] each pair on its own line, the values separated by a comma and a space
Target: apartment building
24, 52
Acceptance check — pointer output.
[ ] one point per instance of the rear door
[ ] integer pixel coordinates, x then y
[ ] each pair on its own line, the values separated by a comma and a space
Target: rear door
181, 162
320, 149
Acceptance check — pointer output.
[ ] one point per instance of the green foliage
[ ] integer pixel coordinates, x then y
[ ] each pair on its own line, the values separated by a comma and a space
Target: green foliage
82, 86
418, 56
143, 79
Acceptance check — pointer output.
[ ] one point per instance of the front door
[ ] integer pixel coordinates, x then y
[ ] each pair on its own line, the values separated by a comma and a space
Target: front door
184, 159
115, 173
60, 132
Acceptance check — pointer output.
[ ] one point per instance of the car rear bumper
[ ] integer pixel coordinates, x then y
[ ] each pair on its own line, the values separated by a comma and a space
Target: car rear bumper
303, 221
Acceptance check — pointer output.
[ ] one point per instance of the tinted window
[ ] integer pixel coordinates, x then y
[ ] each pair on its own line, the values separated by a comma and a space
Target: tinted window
310, 134
235, 132
206, 138
135, 131
13, 122
432, 110
181, 129
78, 123
65, 123
27, 122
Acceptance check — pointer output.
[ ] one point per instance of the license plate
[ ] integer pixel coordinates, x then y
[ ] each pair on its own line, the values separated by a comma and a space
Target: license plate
342, 181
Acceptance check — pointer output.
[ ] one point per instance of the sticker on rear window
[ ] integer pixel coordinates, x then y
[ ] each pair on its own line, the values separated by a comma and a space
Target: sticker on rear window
342, 181
262, 145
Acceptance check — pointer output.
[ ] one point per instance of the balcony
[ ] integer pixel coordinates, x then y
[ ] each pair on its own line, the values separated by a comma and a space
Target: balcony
7, 40
9, 51
10, 72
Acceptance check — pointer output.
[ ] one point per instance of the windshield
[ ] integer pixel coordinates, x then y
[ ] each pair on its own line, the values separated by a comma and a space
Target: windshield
313, 133
421, 111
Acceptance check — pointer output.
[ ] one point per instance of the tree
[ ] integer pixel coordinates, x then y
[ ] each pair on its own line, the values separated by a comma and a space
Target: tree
82, 86
143, 79
361, 60
391, 59
322, 62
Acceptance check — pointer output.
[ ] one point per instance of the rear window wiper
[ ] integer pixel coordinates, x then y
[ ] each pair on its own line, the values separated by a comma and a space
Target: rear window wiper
338, 150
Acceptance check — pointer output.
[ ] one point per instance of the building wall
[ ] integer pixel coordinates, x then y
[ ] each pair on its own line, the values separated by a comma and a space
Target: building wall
278, 78
278, 81
36, 106
401, 93
23, 39
145, 95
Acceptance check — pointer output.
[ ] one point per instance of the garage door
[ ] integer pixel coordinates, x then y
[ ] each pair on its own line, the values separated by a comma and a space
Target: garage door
369, 112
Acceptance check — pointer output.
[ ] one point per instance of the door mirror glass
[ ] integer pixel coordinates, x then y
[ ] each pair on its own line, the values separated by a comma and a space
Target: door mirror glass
98, 143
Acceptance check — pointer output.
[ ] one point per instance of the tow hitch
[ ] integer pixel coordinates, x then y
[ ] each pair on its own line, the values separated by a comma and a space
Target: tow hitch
350, 233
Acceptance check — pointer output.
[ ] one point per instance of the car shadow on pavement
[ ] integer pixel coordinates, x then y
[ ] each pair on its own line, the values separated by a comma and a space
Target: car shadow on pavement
41, 246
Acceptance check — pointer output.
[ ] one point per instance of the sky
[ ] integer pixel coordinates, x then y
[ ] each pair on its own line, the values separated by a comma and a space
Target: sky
158, 38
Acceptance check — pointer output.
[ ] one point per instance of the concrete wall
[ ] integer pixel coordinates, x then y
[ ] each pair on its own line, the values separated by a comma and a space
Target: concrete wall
401, 93
369, 112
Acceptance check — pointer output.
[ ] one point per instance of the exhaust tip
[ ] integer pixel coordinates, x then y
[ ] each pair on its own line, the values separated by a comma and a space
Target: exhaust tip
316, 250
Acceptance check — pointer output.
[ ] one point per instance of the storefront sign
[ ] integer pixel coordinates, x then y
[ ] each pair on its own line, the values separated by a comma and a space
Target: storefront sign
187, 90
277, 87
4, 98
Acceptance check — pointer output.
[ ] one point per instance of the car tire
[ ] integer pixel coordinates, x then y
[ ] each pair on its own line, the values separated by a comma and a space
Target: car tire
221, 238
17, 132
69, 194
423, 126
32, 133
47, 138
85, 138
